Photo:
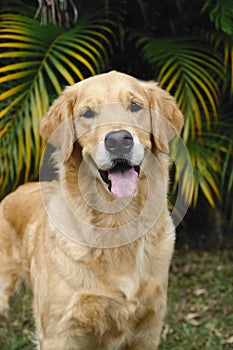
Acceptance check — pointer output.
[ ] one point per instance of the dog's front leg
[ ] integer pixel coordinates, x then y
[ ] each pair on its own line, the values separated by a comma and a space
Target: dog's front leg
147, 334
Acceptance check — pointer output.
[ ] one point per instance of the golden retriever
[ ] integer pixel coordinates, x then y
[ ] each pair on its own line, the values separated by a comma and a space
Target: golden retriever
95, 246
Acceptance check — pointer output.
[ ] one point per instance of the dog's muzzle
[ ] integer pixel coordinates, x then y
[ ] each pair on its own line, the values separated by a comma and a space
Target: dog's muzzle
122, 177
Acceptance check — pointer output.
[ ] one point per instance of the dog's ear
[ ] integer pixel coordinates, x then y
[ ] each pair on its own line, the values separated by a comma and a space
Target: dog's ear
57, 125
166, 118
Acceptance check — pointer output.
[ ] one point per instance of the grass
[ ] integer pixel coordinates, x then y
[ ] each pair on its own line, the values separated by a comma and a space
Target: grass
200, 302
200, 307
16, 332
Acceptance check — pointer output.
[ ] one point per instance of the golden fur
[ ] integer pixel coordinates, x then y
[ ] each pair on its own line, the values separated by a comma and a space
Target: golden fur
94, 298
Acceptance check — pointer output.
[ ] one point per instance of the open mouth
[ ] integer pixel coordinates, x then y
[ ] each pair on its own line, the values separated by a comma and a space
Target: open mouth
121, 178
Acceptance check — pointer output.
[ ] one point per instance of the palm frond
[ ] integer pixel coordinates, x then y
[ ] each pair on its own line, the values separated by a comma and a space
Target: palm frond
200, 167
225, 145
37, 62
221, 14
223, 43
191, 72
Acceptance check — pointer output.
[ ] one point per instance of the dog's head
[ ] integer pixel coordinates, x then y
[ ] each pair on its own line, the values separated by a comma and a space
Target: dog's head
115, 119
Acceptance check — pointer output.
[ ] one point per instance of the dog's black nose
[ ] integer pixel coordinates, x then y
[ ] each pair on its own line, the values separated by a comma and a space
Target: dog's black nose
119, 141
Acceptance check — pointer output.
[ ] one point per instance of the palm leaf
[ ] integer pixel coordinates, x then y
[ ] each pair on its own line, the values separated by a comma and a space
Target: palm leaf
224, 44
221, 14
37, 62
200, 168
191, 72
225, 145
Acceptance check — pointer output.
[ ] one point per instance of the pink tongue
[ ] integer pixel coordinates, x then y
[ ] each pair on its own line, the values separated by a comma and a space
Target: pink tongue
123, 182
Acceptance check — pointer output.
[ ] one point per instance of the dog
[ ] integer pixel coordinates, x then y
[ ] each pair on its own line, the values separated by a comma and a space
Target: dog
95, 245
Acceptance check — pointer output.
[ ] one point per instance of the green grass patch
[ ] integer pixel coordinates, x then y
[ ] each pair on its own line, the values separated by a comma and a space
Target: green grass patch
200, 302
17, 331
200, 307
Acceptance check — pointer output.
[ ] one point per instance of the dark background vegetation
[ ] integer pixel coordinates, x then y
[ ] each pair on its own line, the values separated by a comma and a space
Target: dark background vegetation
187, 46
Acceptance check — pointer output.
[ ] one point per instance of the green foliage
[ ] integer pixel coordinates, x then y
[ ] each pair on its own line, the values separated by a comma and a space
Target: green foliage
197, 70
189, 70
37, 62
189, 51
221, 14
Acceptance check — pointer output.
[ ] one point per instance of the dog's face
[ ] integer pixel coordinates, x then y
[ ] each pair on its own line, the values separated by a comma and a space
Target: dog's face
116, 119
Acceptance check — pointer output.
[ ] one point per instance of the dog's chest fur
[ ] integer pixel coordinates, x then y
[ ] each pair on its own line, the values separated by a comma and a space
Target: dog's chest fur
108, 291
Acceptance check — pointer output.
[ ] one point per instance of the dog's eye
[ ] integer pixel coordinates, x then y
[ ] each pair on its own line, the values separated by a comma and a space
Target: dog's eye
88, 114
135, 107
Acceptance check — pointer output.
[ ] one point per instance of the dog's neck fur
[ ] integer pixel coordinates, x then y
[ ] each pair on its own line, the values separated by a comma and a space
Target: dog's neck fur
94, 210
92, 199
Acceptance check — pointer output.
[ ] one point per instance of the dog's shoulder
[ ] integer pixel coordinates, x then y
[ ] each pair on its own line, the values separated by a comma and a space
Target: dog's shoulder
24, 205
